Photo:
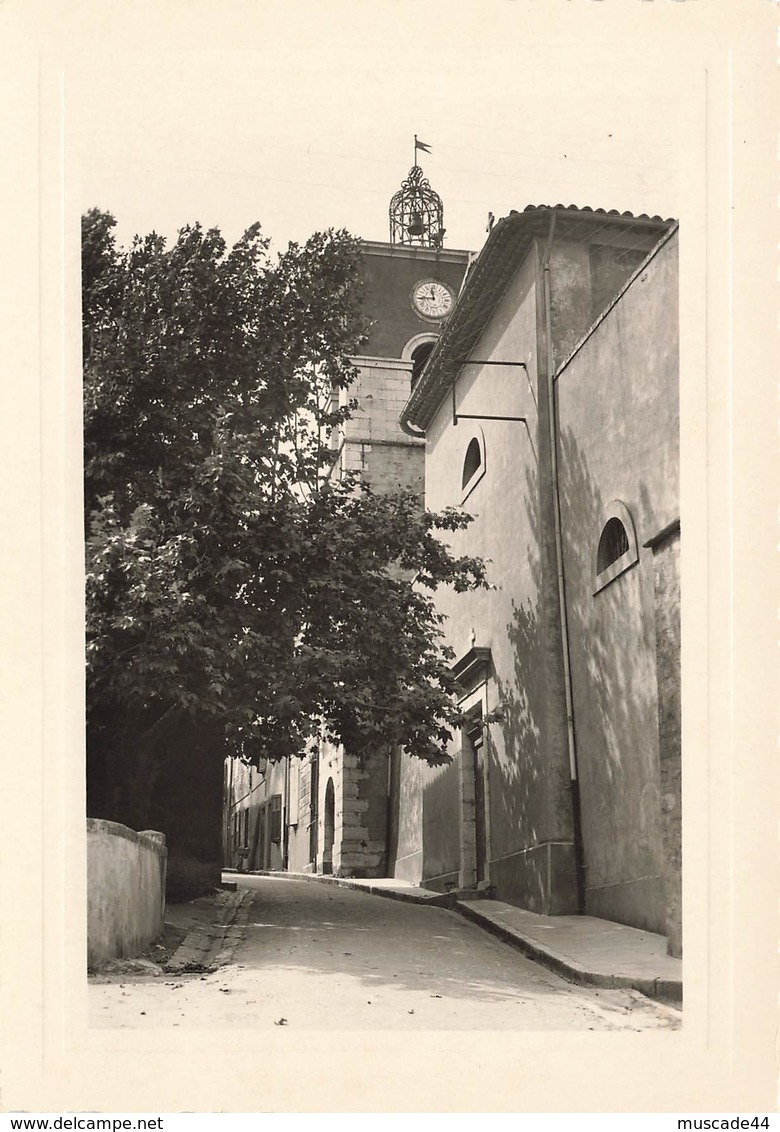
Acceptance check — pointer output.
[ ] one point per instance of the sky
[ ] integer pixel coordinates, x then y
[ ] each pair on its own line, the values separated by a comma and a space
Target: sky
311, 123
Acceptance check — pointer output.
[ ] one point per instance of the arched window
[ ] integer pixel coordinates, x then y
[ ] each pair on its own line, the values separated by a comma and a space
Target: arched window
417, 351
420, 356
613, 544
617, 548
473, 464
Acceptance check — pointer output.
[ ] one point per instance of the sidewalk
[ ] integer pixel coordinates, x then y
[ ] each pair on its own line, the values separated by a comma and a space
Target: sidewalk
583, 949
593, 952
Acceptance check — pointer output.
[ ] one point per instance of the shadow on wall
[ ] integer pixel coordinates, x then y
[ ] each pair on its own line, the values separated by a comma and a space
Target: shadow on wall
441, 818
612, 653
520, 769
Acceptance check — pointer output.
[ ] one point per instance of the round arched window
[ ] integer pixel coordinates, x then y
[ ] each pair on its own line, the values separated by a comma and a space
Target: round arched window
617, 546
419, 357
472, 462
613, 544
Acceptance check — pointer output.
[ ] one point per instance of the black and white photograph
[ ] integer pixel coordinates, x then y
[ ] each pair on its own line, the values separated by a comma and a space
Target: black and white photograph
394, 671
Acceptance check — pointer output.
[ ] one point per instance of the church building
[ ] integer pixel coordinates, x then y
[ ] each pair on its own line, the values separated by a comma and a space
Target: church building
549, 408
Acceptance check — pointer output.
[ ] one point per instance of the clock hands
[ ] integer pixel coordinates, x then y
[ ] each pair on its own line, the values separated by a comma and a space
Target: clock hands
432, 299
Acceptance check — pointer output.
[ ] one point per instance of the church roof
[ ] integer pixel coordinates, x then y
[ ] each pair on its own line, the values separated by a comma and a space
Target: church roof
596, 212
507, 245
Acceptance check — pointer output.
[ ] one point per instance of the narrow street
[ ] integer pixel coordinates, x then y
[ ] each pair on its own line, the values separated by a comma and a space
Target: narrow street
322, 957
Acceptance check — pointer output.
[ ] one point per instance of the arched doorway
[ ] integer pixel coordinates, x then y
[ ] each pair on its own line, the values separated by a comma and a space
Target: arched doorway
329, 827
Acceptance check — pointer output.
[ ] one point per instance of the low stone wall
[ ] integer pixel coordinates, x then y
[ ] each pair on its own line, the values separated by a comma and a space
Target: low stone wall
125, 889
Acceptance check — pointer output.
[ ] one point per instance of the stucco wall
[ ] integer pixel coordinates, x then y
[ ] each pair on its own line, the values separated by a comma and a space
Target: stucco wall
527, 763
301, 838
585, 275
618, 427
618, 440
441, 822
125, 889
408, 850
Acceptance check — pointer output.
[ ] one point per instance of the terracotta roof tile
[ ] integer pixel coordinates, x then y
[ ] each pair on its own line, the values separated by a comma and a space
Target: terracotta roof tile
596, 211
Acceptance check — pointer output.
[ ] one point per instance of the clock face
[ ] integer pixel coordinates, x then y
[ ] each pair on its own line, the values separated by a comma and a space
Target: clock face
432, 299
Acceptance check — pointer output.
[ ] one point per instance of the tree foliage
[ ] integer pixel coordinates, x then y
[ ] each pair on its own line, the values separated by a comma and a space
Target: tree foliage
230, 581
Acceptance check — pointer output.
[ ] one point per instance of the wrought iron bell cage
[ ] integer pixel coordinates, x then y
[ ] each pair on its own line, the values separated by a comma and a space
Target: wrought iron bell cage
417, 213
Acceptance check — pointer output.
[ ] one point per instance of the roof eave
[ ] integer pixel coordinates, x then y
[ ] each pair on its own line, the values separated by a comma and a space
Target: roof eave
485, 283
502, 253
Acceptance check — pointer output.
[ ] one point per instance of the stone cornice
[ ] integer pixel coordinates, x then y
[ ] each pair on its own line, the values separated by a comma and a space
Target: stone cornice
472, 666
404, 251
369, 361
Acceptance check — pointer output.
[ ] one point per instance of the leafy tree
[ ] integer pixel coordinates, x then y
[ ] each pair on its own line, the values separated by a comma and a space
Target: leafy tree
234, 590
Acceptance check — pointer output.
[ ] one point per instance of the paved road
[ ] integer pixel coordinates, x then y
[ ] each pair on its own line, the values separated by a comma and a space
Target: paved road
322, 957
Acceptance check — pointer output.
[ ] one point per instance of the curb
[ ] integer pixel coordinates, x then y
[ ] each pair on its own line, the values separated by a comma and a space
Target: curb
207, 947
663, 990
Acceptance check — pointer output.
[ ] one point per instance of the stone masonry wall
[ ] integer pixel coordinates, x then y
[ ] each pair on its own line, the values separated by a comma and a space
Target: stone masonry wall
361, 818
372, 440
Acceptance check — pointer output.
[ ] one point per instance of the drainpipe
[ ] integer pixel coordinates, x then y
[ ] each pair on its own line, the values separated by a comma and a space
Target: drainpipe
579, 856
487, 747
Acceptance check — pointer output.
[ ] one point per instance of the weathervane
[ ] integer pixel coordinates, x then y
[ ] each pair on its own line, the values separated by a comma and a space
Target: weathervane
420, 145
416, 211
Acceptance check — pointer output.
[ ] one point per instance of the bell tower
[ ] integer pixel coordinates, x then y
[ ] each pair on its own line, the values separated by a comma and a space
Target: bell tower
411, 284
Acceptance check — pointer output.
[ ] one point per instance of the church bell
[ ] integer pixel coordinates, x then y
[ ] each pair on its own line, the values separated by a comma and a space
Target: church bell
416, 227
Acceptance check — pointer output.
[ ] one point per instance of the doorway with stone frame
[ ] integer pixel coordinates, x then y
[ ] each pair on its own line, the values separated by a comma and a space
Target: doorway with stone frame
472, 672
473, 803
